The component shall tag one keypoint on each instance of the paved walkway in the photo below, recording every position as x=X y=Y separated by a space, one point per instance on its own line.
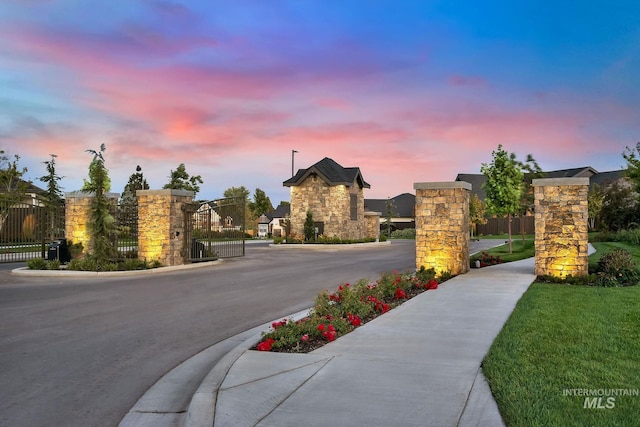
x=418 y=365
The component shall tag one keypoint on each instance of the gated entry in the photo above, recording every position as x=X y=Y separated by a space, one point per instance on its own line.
x=214 y=229
x=27 y=226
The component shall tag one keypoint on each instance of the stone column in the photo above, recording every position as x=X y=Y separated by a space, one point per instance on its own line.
x=561 y=216
x=161 y=225
x=78 y=217
x=442 y=226
x=372 y=220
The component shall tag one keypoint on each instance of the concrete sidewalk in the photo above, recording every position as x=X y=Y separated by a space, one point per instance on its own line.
x=417 y=365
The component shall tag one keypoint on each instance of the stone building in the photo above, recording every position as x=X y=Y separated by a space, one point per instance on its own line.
x=334 y=195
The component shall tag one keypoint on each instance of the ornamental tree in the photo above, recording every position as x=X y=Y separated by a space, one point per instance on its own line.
x=503 y=185
x=309 y=227
x=102 y=224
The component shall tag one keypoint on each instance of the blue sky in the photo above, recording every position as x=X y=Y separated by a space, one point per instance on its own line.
x=409 y=91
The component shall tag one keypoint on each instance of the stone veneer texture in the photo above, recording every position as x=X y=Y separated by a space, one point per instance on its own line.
x=442 y=226
x=561 y=217
x=78 y=217
x=330 y=205
x=161 y=225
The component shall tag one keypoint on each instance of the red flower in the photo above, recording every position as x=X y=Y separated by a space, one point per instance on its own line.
x=276 y=325
x=305 y=337
x=266 y=344
x=321 y=327
x=433 y=284
x=354 y=320
x=400 y=294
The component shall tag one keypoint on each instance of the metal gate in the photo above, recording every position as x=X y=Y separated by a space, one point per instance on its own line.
x=27 y=226
x=214 y=229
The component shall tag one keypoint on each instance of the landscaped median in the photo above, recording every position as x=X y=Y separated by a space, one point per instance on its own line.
x=350 y=306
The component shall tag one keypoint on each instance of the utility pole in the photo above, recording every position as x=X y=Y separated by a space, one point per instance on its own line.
x=293 y=153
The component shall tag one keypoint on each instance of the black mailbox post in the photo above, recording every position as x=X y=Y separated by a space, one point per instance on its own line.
x=59 y=250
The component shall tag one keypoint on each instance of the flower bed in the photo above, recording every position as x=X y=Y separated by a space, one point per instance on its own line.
x=350 y=306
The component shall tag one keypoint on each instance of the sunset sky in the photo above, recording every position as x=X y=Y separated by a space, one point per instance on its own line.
x=409 y=91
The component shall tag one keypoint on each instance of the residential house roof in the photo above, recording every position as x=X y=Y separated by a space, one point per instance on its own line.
x=282 y=211
x=331 y=172
x=595 y=177
x=403 y=205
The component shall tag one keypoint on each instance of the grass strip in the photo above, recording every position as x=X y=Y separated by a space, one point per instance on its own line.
x=562 y=337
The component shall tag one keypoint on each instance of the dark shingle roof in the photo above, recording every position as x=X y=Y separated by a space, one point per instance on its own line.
x=595 y=177
x=331 y=172
x=403 y=205
x=281 y=211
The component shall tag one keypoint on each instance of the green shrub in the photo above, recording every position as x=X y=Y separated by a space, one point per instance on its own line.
x=134 y=264
x=53 y=265
x=617 y=268
x=37 y=264
x=277 y=240
x=91 y=263
x=407 y=233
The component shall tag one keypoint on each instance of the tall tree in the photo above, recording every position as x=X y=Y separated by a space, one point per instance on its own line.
x=309 y=227
x=54 y=195
x=54 y=191
x=390 y=213
x=261 y=203
x=136 y=182
x=240 y=192
x=102 y=223
x=632 y=156
x=477 y=212
x=595 y=200
x=503 y=185
x=12 y=187
x=531 y=171
x=180 y=179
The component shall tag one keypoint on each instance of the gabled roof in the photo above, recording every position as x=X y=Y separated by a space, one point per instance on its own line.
x=282 y=211
x=583 y=172
x=595 y=177
x=403 y=205
x=331 y=172
x=28 y=187
x=605 y=178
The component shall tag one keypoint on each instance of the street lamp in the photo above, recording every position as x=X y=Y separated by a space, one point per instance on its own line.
x=293 y=152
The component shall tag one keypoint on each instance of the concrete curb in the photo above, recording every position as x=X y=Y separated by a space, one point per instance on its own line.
x=202 y=409
x=25 y=271
x=332 y=247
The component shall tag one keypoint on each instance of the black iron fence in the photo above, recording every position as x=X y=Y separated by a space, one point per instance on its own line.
x=28 y=227
x=125 y=239
x=214 y=229
x=501 y=226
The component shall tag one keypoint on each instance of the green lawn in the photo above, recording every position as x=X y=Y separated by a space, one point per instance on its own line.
x=520 y=250
x=563 y=337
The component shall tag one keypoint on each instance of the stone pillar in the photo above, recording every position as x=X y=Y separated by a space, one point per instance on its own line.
x=561 y=216
x=78 y=217
x=372 y=220
x=161 y=225
x=442 y=226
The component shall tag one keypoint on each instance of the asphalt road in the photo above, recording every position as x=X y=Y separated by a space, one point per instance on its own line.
x=80 y=352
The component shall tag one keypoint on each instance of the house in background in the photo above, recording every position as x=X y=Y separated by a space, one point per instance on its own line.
x=526 y=224
x=601 y=178
x=334 y=195
x=403 y=207
x=277 y=220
